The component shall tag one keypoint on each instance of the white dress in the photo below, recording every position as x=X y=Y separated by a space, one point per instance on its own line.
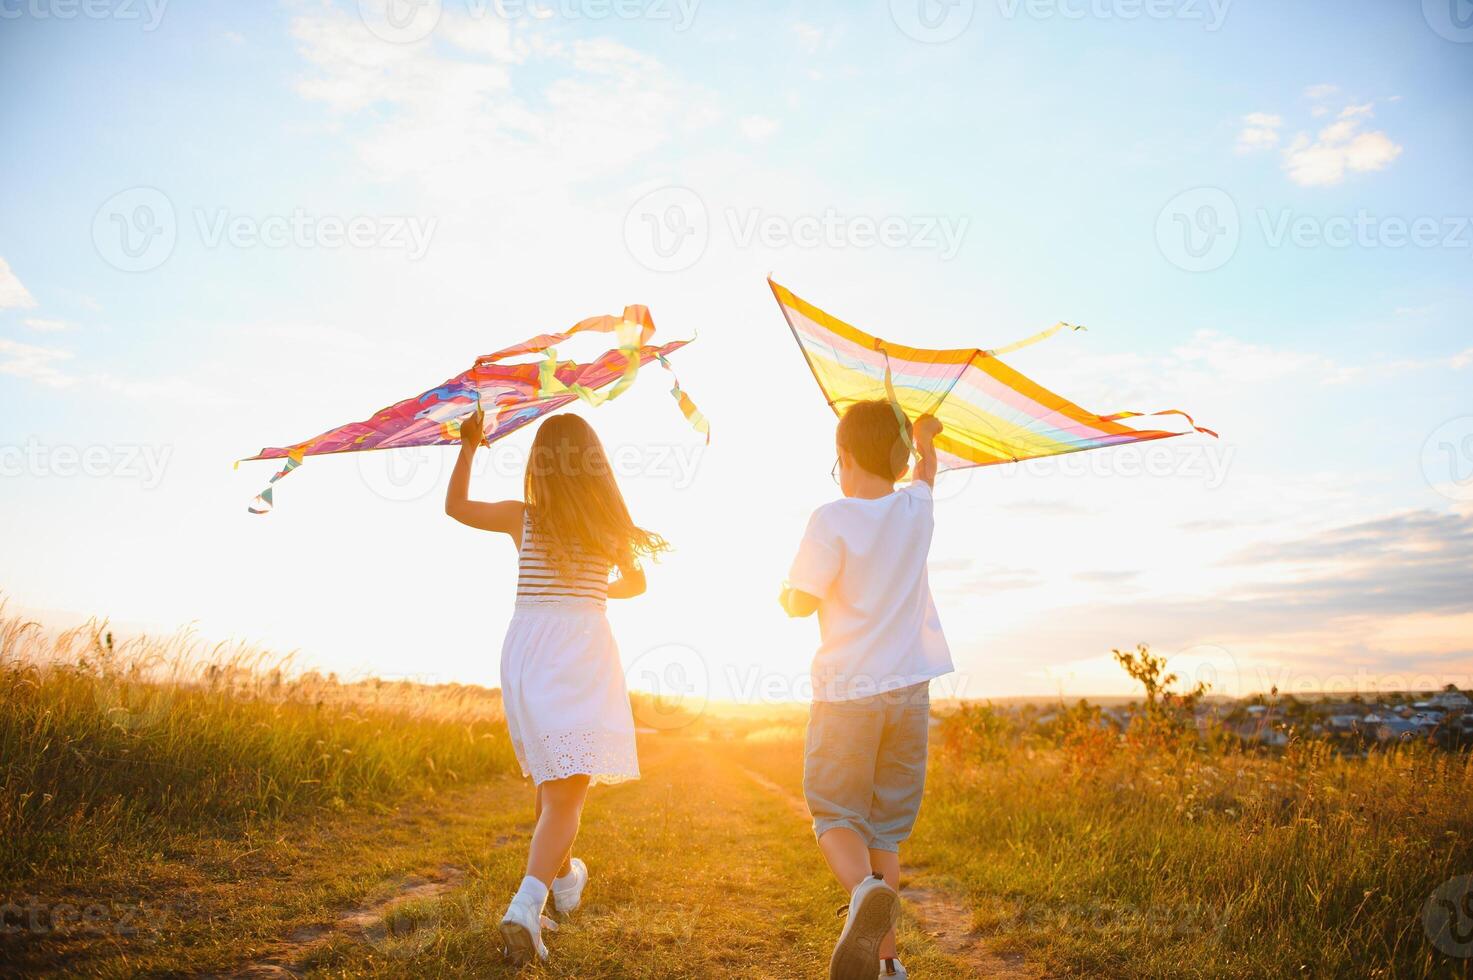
x=561 y=680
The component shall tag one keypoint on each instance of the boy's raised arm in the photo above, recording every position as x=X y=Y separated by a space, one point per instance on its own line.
x=923 y=435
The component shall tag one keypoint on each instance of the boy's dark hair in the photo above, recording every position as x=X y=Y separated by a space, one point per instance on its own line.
x=870 y=431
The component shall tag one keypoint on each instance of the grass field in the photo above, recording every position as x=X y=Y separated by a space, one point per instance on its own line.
x=225 y=819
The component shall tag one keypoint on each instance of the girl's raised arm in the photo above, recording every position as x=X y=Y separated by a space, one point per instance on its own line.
x=505 y=515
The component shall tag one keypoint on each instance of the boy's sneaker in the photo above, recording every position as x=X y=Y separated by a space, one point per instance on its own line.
x=873 y=908
x=567 y=891
x=892 y=968
x=521 y=931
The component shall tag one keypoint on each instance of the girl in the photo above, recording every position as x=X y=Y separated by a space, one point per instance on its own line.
x=561 y=681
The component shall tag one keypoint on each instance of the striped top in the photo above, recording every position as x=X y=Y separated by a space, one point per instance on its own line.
x=539 y=583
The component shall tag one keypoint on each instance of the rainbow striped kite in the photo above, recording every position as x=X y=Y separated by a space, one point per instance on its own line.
x=510 y=395
x=991 y=413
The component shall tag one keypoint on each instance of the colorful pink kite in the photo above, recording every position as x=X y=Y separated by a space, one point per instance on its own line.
x=511 y=395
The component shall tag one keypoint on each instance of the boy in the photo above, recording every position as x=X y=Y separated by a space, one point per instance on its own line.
x=862 y=568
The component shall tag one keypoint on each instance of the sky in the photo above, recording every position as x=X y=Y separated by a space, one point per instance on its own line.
x=225 y=226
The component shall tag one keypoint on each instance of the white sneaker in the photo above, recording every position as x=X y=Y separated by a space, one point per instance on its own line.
x=521 y=931
x=892 y=968
x=873 y=909
x=567 y=895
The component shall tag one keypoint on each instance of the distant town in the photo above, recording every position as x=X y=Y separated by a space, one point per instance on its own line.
x=1354 y=722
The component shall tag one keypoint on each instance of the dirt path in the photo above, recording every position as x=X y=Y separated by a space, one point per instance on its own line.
x=374 y=923
x=939 y=911
x=697 y=872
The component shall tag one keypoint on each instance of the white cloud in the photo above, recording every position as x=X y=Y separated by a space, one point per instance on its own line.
x=456 y=115
x=809 y=36
x=38 y=364
x=759 y=129
x=13 y=294
x=1260 y=132
x=1323 y=158
x=1462 y=360
x=47 y=326
x=1342 y=146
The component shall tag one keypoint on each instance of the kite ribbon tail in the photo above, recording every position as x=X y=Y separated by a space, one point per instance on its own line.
x=900 y=415
x=688 y=408
x=264 y=502
x=1029 y=341
x=1170 y=411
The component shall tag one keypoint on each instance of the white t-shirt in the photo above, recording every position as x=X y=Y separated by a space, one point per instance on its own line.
x=865 y=561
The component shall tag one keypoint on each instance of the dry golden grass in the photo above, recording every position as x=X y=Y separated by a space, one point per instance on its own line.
x=232 y=813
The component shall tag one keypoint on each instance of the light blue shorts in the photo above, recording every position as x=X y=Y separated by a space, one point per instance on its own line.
x=864 y=764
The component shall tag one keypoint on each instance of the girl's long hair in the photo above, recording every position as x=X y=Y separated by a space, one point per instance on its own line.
x=574 y=503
